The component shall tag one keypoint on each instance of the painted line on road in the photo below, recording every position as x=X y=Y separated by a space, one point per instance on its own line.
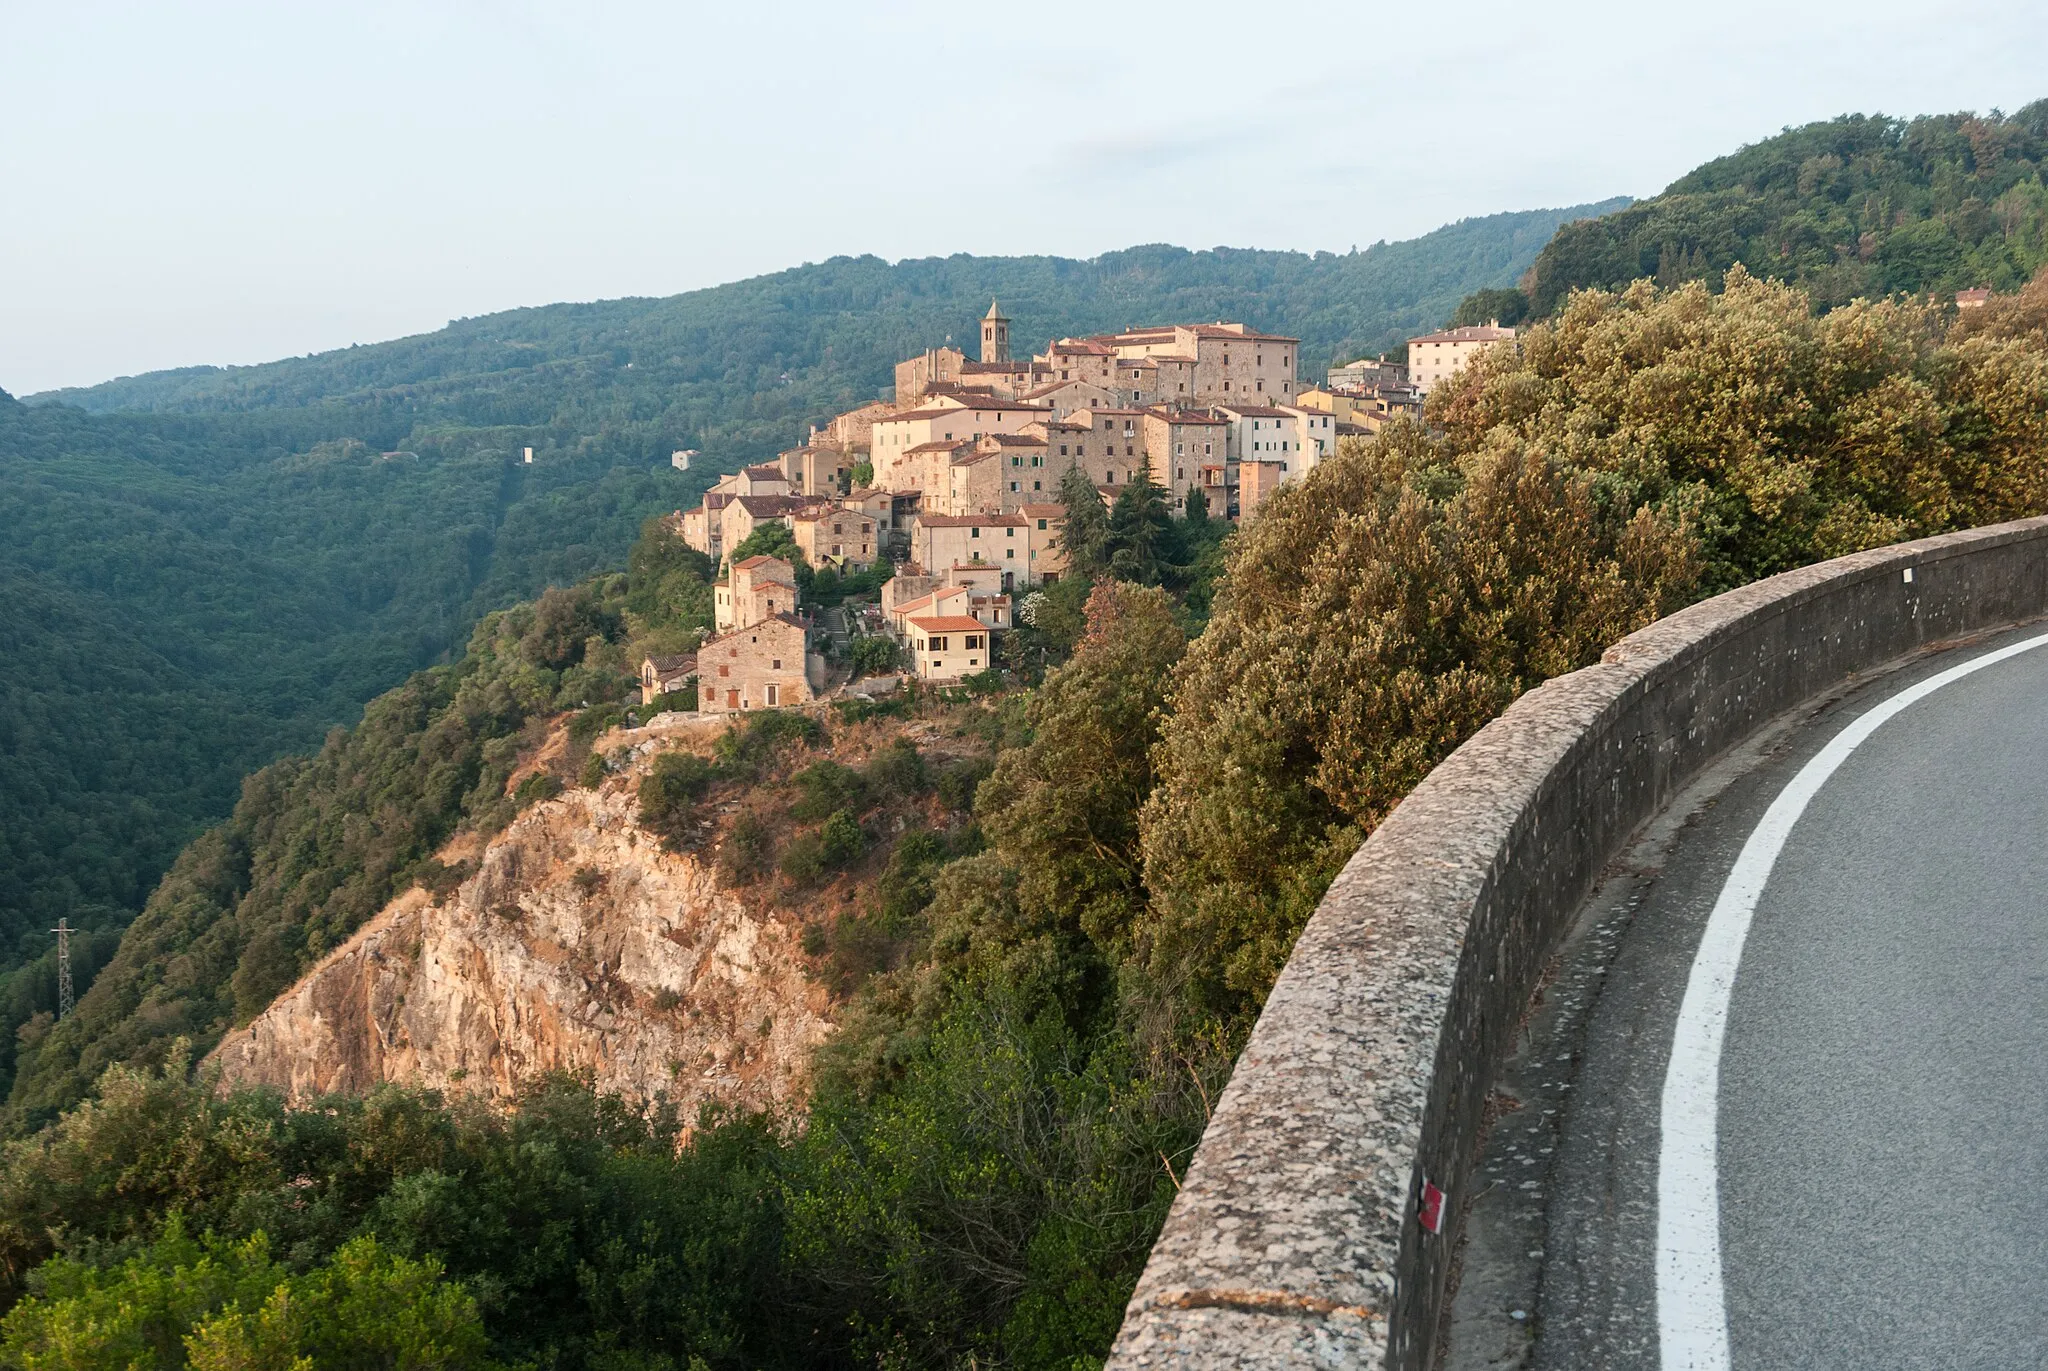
x=1692 y=1306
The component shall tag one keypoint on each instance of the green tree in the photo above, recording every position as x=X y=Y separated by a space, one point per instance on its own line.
x=1506 y=307
x=1084 y=534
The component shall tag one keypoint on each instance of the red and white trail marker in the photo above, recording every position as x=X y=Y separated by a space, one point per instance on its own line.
x=1430 y=1213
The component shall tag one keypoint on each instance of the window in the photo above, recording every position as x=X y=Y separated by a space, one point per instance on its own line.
x=1041 y=523
x=1063 y=449
x=837 y=529
x=973 y=644
x=937 y=644
x=975 y=532
x=774 y=695
x=1038 y=485
x=724 y=670
x=1016 y=461
x=1013 y=487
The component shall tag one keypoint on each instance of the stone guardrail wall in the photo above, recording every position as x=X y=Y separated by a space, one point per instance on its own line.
x=1295 y=1240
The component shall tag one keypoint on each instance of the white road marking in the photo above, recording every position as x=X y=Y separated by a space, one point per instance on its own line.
x=1692 y=1307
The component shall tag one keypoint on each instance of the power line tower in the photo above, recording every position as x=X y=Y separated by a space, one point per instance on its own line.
x=63 y=932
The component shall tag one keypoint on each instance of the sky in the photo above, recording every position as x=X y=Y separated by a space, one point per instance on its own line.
x=190 y=182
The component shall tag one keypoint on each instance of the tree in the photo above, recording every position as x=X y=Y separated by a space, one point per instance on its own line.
x=1140 y=533
x=1084 y=533
x=773 y=539
x=1506 y=307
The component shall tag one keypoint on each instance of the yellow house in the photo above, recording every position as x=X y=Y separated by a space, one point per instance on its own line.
x=946 y=647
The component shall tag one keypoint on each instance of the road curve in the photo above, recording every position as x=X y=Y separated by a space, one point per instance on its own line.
x=1878 y=1137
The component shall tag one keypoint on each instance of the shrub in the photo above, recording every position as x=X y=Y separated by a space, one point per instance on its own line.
x=896 y=770
x=749 y=850
x=541 y=785
x=875 y=656
x=959 y=781
x=825 y=786
x=669 y=792
x=747 y=747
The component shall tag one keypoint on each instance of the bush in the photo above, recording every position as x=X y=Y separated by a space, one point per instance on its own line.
x=959 y=781
x=749 y=850
x=746 y=748
x=594 y=771
x=541 y=785
x=813 y=856
x=669 y=793
x=823 y=787
x=896 y=770
x=875 y=656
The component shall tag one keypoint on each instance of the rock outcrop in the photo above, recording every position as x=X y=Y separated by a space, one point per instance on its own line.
x=579 y=945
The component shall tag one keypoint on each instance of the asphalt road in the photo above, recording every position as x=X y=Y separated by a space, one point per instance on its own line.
x=1881 y=1124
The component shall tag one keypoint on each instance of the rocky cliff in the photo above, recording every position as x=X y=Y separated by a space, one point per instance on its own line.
x=579 y=944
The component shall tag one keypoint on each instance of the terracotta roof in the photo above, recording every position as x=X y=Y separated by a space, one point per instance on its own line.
x=1256 y=411
x=765 y=471
x=1046 y=511
x=974 y=458
x=940 y=445
x=949 y=623
x=1082 y=347
x=1473 y=333
x=669 y=663
x=761 y=559
x=1012 y=440
x=971 y=520
x=1184 y=416
x=769 y=506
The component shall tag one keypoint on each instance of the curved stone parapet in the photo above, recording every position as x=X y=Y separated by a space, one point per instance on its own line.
x=1295 y=1239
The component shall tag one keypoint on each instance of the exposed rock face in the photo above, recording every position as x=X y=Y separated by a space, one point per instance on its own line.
x=579 y=945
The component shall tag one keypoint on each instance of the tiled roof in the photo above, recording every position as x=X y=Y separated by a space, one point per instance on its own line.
x=971 y=520
x=949 y=623
x=1474 y=333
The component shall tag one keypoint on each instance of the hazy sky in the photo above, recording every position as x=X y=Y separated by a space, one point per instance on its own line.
x=188 y=182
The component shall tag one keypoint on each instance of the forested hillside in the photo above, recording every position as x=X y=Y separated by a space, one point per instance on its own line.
x=736 y=370
x=1009 y=1105
x=183 y=598
x=1860 y=206
x=239 y=558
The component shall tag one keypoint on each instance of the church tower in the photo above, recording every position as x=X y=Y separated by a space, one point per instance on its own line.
x=995 y=335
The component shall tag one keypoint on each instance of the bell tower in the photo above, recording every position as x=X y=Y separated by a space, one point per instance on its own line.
x=995 y=335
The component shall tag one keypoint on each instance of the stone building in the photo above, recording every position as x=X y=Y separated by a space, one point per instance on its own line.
x=763 y=665
x=754 y=590
x=831 y=535
x=662 y=675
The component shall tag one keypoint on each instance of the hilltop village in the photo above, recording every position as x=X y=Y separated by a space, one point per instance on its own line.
x=955 y=482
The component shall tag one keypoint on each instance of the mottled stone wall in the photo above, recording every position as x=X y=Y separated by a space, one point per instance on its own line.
x=1294 y=1241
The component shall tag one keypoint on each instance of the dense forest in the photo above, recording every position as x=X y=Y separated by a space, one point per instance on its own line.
x=184 y=598
x=1855 y=207
x=238 y=559
x=998 y=1127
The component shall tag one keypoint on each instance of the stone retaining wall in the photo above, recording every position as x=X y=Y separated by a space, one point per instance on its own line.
x=1294 y=1241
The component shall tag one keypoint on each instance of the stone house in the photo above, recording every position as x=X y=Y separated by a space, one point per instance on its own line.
x=763 y=665
x=946 y=647
x=1176 y=442
x=833 y=535
x=661 y=675
x=745 y=513
x=990 y=538
x=945 y=419
x=817 y=468
x=756 y=589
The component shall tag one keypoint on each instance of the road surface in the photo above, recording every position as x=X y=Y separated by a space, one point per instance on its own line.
x=1797 y=1065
